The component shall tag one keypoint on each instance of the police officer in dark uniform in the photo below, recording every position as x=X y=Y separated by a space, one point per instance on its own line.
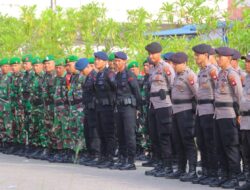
x=90 y=127
x=105 y=86
x=127 y=98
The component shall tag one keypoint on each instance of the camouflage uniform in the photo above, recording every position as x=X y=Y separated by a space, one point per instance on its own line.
x=60 y=112
x=74 y=137
x=6 y=133
x=28 y=77
x=37 y=129
x=48 y=91
x=17 y=109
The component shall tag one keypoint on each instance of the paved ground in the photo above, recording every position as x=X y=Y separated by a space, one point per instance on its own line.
x=18 y=173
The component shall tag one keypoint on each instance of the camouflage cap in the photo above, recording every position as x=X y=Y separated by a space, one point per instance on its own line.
x=60 y=62
x=15 y=60
x=27 y=58
x=71 y=58
x=4 y=61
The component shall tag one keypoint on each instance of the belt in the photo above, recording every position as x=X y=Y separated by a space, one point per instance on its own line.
x=185 y=101
x=223 y=104
x=156 y=94
x=245 y=113
x=205 y=101
x=103 y=102
x=74 y=102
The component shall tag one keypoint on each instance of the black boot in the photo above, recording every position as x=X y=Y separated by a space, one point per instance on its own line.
x=232 y=183
x=130 y=165
x=151 y=163
x=211 y=177
x=190 y=176
x=176 y=175
x=44 y=154
x=109 y=162
x=219 y=180
x=245 y=186
x=203 y=176
x=121 y=162
x=158 y=167
x=20 y=150
x=36 y=153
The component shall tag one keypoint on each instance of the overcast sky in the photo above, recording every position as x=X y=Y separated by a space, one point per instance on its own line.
x=116 y=8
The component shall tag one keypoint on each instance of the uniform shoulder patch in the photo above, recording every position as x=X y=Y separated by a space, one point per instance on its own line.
x=167 y=70
x=232 y=80
x=191 y=79
x=213 y=74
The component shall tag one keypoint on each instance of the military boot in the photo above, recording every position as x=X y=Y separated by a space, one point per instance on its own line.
x=203 y=176
x=158 y=167
x=109 y=162
x=119 y=163
x=44 y=154
x=165 y=170
x=231 y=183
x=219 y=180
x=130 y=165
x=190 y=176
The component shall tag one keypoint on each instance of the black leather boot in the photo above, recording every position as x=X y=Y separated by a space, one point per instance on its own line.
x=231 y=183
x=158 y=167
x=130 y=165
x=203 y=176
x=190 y=176
x=121 y=162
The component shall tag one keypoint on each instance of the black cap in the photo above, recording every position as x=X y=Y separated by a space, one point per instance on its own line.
x=121 y=55
x=212 y=51
x=247 y=57
x=179 y=57
x=154 y=47
x=224 y=51
x=236 y=55
x=202 y=49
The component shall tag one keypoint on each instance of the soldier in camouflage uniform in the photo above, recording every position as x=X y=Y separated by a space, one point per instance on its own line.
x=28 y=77
x=48 y=90
x=5 y=109
x=37 y=136
x=74 y=137
x=19 y=134
x=60 y=111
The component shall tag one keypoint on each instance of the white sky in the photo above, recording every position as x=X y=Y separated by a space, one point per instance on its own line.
x=116 y=8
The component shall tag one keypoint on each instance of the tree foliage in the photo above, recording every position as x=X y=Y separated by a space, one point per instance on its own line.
x=87 y=29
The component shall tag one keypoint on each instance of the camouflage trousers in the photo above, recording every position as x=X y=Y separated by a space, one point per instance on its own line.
x=27 y=117
x=59 y=127
x=6 y=132
x=36 y=130
x=20 y=133
x=74 y=136
x=48 y=125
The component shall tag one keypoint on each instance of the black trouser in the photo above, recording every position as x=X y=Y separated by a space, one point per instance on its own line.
x=106 y=131
x=92 y=138
x=183 y=133
x=205 y=125
x=160 y=124
x=245 y=139
x=126 y=125
x=227 y=145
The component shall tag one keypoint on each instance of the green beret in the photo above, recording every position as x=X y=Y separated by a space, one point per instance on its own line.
x=60 y=62
x=111 y=57
x=91 y=60
x=49 y=58
x=36 y=60
x=27 y=58
x=71 y=58
x=4 y=61
x=15 y=60
x=133 y=64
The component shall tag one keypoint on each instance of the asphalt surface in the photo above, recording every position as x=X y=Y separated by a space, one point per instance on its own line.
x=17 y=173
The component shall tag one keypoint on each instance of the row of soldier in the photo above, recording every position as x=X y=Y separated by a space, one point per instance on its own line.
x=58 y=113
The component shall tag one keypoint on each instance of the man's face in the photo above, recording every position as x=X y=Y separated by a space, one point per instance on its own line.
x=60 y=70
x=212 y=59
x=179 y=68
x=223 y=61
x=120 y=64
x=16 y=68
x=111 y=65
x=248 y=66
x=71 y=66
x=100 y=64
x=135 y=70
x=234 y=64
x=49 y=66
x=87 y=70
x=200 y=58
x=5 y=69
x=155 y=57
x=38 y=68
x=27 y=66
x=146 y=68
x=67 y=68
